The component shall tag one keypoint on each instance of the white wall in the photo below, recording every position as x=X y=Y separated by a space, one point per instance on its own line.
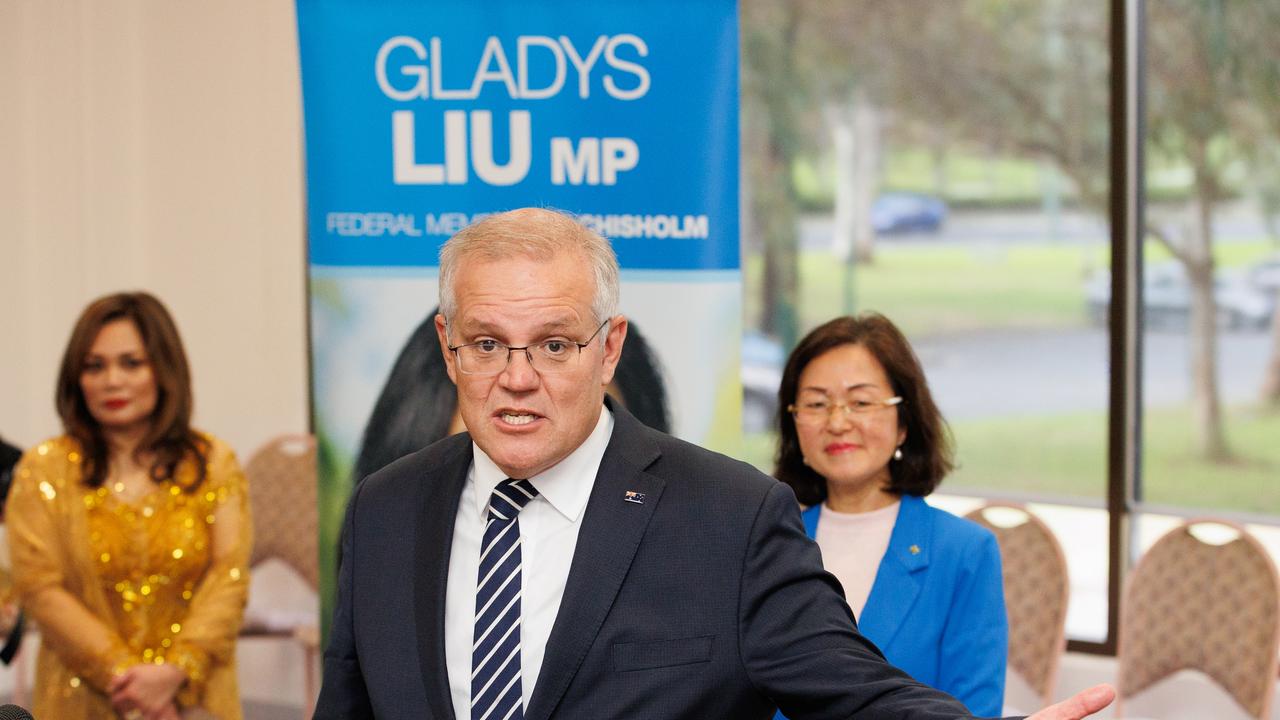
x=155 y=145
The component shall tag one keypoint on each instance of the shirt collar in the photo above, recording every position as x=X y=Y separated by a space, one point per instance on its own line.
x=566 y=485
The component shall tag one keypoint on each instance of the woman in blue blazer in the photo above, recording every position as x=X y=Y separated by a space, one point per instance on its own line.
x=861 y=443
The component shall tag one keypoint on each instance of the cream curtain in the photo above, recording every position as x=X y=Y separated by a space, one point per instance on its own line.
x=155 y=145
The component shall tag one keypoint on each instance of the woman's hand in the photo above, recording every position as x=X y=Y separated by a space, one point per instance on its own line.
x=146 y=692
x=170 y=712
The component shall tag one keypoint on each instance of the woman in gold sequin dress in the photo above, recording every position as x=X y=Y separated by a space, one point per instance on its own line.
x=130 y=534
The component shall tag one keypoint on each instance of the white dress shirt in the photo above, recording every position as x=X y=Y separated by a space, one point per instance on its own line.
x=549 y=527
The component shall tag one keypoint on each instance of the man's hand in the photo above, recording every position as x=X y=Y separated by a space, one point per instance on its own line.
x=1082 y=704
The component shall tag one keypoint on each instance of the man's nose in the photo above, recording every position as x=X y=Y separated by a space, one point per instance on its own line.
x=520 y=375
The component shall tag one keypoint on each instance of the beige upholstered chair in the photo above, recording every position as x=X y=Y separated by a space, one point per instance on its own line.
x=282 y=495
x=1035 y=593
x=1192 y=605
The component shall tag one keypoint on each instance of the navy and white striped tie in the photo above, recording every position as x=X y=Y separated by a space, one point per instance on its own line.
x=496 y=692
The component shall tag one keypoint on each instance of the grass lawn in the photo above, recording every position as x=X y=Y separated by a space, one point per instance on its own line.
x=1172 y=475
x=976 y=178
x=948 y=288
x=1065 y=455
x=971 y=178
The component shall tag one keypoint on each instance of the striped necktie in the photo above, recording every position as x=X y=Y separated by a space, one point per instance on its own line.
x=496 y=692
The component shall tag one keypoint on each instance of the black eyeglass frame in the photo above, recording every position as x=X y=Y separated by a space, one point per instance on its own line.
x=527 y=351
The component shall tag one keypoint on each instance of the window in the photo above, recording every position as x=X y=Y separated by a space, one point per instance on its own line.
x=977 y=171
x=1210 y=279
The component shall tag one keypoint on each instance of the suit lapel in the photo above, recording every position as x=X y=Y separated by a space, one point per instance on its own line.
x=611 y=532
x=440 y=493
x=901 y=573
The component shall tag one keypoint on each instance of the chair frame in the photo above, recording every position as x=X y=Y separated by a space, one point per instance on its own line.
x=1060 y=639
x=307 y=637
x=1273 y=665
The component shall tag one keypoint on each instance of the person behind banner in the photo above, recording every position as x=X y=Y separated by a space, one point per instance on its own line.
x=861 y=443
x=561 y=559
x=418 y=404
x=130 y=533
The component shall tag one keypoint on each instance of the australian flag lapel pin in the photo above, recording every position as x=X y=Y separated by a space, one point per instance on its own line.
x=634 y=497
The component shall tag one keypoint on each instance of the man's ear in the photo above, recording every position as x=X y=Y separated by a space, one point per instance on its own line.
x=613 y=347
x=442 y=333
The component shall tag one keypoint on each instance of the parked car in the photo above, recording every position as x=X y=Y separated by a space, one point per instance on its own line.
x=762 y=360
x=905 y=212
x=1265 y=275
x=1166 y=299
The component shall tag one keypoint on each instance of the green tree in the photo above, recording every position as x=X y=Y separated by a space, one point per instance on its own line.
x=772 y=95
x=799 y=57
x=1253 y=31
x=1031 y=79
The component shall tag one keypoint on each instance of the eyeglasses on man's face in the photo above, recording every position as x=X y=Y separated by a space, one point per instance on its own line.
x=490 y=357
x=817 y=409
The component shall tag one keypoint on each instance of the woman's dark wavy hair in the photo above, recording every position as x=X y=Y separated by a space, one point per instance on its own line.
x=418 y=399
x=927 y=454
x=169 y=439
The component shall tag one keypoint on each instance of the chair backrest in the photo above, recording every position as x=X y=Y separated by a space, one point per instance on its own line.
x=1036 y=591
x=282 y=494
x=1192 y=605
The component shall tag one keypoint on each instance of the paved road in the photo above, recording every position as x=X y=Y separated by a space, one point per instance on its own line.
x=1003 y=373
x=1000 y=373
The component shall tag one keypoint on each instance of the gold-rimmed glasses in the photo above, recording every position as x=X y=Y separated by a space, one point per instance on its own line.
x=816 y=410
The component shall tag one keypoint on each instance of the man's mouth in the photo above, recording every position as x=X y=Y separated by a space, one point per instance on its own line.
x=518 y=418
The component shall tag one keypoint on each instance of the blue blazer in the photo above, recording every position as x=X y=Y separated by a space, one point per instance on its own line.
x=936 y=608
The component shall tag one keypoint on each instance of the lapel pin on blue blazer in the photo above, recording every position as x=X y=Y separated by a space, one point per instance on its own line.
x=634 y=497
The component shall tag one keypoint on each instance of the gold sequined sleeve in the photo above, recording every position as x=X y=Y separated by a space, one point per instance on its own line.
x=40 y=540
x=208 y=633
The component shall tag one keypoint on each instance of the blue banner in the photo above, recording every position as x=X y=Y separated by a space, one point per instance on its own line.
x=423 y=116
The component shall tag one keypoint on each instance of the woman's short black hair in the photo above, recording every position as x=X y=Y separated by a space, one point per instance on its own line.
x=927 y=451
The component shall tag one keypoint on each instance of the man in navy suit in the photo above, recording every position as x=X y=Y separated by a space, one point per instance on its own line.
x=561 y=560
